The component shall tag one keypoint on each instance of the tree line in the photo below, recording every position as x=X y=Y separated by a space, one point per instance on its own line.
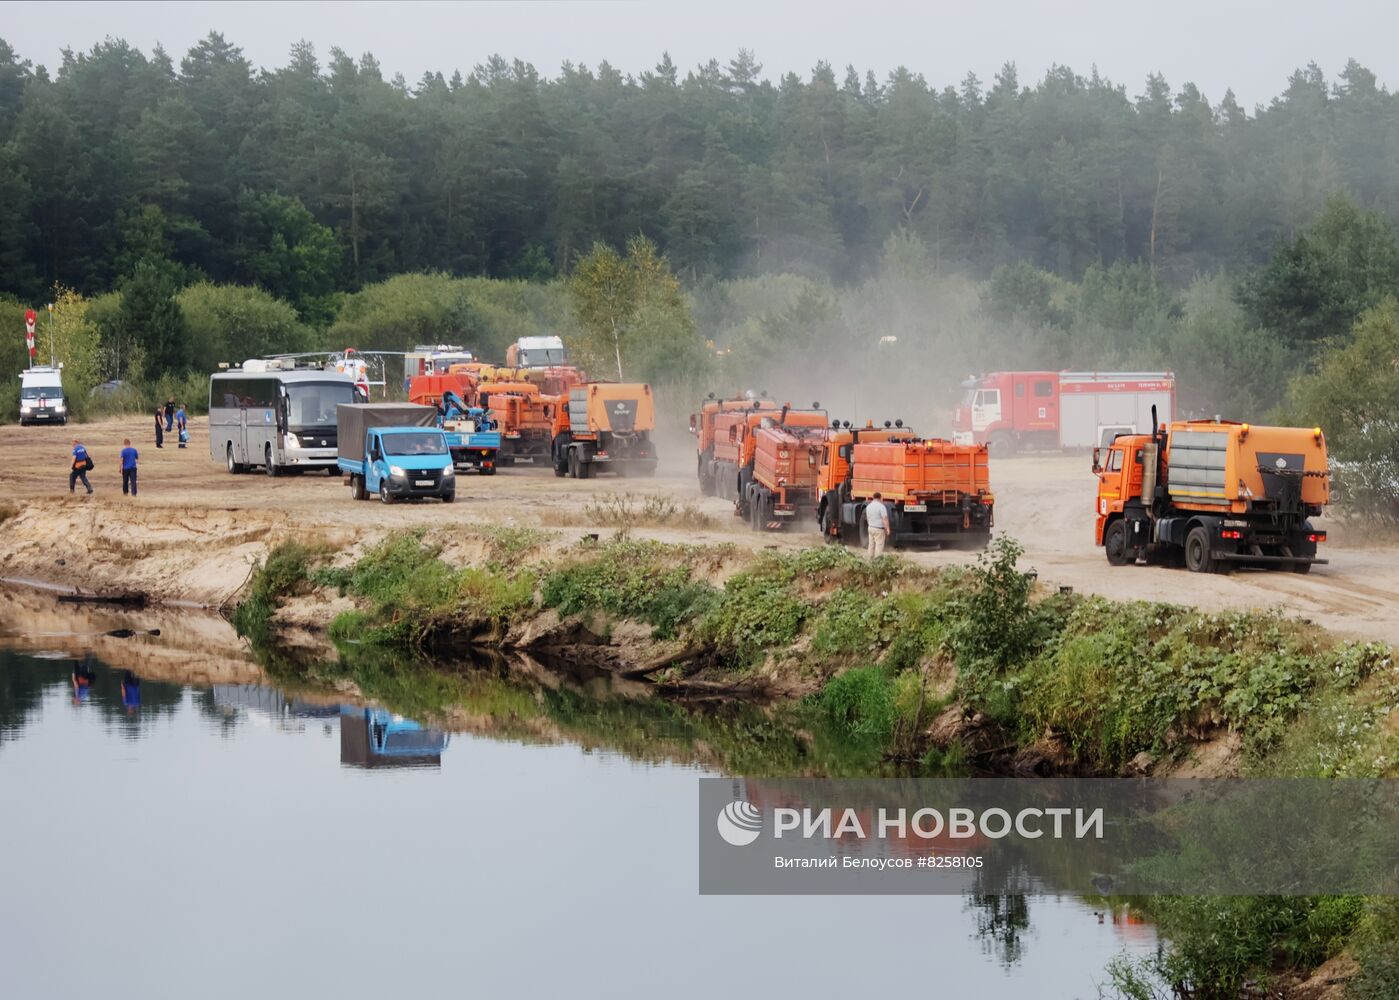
x=315 y=178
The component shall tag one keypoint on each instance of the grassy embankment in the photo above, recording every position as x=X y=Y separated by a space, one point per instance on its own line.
x=898 y=667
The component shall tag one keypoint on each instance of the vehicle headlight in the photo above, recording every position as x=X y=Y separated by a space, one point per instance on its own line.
x=397 y=472
x=58 y=406
x=25 y=407
x=448 y=472
x=292 y=441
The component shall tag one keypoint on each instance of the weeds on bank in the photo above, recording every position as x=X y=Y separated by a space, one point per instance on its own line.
x=649 y=510
x=412 y=593
x=644 y=580
x=286 y=572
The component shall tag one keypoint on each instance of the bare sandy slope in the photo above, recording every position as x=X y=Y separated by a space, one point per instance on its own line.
x=195 y=530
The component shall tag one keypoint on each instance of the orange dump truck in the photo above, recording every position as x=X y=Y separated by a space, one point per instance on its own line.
x=524 y=415
x=1216 y=494
x=936 y=491
x=784 y=486
x=702 y=426
x=605 y=427
x=735 y=444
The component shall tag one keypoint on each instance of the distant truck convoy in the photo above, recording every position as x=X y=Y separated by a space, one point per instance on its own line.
x=1012 y=411
x=605 y=427
x=41 y=396
x=277 y=415
x=395 y=450
x=1217 y=494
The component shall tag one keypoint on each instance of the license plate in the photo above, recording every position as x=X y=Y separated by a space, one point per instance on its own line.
x=785 y=513
x=916 y=508
x=423 y=482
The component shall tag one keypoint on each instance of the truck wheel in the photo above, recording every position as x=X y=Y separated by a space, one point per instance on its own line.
x=1197 y=551
x=234 y=468
x=1115 y=543
x=449 y=497
x=585 y=468
x=357 y=490
x=560 y=467
x=1000 y=445
x=269 y=466
x=384 y=497
x=491 y=471
x=864 y=532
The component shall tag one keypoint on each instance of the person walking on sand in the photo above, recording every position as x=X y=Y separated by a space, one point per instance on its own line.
x=128 y=467
x=169 y=414
x=181 y=425
x=877 y=520
x=159 y=429
x=82 y=462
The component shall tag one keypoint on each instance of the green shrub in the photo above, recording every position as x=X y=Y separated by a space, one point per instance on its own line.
x=753 y=613
x=285 y=572
x=629 y=579
x=860 y=703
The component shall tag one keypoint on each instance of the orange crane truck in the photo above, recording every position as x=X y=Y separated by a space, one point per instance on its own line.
x=1214 y=493
x=702 y=426
x=605 y=427
x=937 y=492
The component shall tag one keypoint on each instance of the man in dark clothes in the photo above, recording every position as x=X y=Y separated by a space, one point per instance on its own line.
x=128 y=467
x=170 y=414
x=159 y=429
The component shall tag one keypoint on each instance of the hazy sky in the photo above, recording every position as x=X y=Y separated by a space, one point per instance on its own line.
x=1251 y=45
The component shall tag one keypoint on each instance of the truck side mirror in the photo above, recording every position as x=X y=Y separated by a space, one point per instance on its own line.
x=1097 y=460
x=693 y=429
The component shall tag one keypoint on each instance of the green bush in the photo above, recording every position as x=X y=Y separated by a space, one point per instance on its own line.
x=860 y=703
x=630 y=579
x=285 y=572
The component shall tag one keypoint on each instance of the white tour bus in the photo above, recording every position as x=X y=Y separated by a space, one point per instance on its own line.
x=282 y=418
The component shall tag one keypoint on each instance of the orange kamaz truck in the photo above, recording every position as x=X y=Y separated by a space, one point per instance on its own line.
x=605 y=427
x=735 y=445
x=1215 y=494
x=937 y=492
x=702 y=426
x=524 y=415
x=783 y=488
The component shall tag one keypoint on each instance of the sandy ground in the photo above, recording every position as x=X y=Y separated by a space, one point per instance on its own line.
x=196 y=530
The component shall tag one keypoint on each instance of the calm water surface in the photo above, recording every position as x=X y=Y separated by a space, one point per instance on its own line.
x=231 y=842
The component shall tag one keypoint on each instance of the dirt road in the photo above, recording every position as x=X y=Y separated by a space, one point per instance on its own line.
x=198 y=529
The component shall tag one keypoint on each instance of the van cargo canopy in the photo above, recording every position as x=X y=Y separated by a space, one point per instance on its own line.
x=354 y=419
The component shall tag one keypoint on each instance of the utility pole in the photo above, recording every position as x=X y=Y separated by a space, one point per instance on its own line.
x=53 y=355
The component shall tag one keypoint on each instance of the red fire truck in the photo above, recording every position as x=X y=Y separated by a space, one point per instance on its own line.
x=1008 y=411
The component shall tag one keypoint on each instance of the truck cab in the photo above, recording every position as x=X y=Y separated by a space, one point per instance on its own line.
x=1120 y=471
x=406 y=462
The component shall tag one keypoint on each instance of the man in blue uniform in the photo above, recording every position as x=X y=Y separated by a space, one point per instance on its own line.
x=128 y=467
x=78 y=470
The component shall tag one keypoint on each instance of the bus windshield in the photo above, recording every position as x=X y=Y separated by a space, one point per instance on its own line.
x=415 y=443
x=313 y=405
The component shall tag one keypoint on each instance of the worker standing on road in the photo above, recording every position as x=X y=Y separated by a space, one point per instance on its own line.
x=877 y=521
x=128 y=467
x=78 y=470
x=181 y=425
x=169 y=414
x=159 y=429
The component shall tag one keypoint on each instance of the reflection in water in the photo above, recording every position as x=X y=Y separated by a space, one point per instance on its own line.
x=121 y=699
x=547 y=869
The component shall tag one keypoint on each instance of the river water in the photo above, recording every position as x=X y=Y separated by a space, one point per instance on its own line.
x=234 y=841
